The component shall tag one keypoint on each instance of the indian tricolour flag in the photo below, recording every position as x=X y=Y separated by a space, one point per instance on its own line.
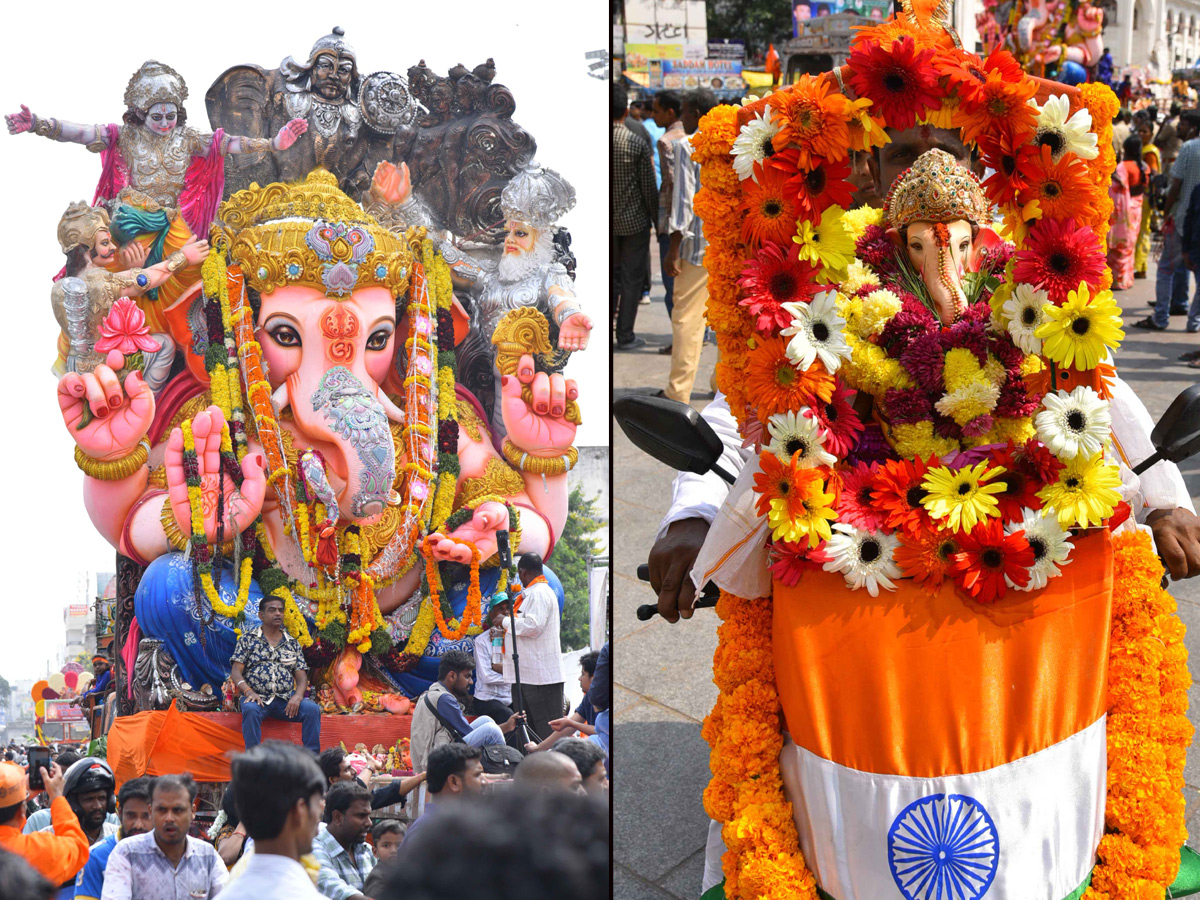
x=942 y=748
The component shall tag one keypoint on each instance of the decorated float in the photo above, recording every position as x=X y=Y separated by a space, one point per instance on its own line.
x=316 y=353
x=961 y=676
x=1060 y=38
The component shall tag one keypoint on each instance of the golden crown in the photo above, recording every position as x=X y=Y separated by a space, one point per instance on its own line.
x=936 y=189
x=79 y=224
x=310 y=233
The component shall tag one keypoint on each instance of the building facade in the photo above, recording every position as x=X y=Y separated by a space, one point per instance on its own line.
x=1159 y=35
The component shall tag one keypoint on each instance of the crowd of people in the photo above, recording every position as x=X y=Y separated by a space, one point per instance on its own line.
x=297 y=822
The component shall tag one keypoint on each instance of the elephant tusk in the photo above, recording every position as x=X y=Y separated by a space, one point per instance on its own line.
x=393 y=412
x=280 y=398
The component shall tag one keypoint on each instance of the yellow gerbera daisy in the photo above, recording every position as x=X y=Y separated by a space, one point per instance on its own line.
x=866 y=131
x=827 y=244
x=958 y=498
x=1079 y=330
x=1085 y=493
x=812 y=523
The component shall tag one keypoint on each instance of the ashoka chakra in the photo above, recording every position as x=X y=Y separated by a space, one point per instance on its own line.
x=943 y=847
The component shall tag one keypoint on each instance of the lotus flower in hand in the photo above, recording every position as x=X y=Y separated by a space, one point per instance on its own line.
x=124 y=329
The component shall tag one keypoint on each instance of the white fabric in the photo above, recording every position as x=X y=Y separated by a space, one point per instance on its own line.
x=597 y=607
x=714 y=849
x=268 y=875
x=1046 y=814
x=739 y=565
x=1162 y=484
x=489 y=684
x=537 y=630
x=700 y=496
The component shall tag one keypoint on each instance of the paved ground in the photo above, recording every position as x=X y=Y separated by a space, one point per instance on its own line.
x=664 y=686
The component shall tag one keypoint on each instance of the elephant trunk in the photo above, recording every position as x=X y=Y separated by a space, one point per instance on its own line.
x=946 y=289
x=343 y=414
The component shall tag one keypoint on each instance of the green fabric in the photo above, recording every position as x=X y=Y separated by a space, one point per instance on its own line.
x=1187 y=882
x=131 y=222
x=1074 y=895
x=716 y=892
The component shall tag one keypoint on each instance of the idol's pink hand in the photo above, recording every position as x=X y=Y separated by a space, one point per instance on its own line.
x=242 y=505
x=489 y=518
x=446 y=550
x=121 y=416
x=392 y=183
x=19 y=122
x=574 y=333
x=541 y=430
x=133 y=255
x=289 y=134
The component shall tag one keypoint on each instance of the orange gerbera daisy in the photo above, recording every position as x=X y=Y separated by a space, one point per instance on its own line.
x=899 y=493
x=770 y=209
x=816 y=186
x=783 y=481
x=1063 y=189
x=925 y=556
x=814 y=120
x=778 y=385
x=999 y=105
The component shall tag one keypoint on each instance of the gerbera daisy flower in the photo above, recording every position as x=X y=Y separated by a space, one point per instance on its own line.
x=898 y=80
x=1079 y=330
x=753 y=145
x=1062 y=189
x=1057 y=256
x=770 y=210
x=1075 y=423
x=1023 y=311
x=1005 y=65
x=839 y=422
x=863 y=558
x=779 y=480
x=999 y=105
x=797 y=439
x=924 y=556
x=789 y=560
x=772 y=277
x=818 y=187
x=815 y=329
x=866 y=131
x=959 y=499
x=855 y=505
x=1037 y=459
x=810 y=522
x=1021 y=482
x=1008 y=159
x=1085 y=492
x=1062 y=132
x=828 y=243
x=899 y=493
x=989 y=561
x=778 y=385
x=1051 y=546
x=813 y=117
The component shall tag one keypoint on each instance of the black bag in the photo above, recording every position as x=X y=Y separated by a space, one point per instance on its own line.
x=497 y=759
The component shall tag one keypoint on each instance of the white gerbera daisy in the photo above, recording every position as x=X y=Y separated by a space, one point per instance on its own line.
x=864 y=559
x=753 y=143
x=1075 y=423
x=794 y=432
x=1050 y=543
x=1023 y=310
x=816 y=333
x=1062 y=132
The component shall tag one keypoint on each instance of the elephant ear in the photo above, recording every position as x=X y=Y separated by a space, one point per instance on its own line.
x=894 y=235
x=985 y=240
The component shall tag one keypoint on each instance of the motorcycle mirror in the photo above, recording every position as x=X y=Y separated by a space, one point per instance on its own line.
x=671 y=432
x=1177 y=434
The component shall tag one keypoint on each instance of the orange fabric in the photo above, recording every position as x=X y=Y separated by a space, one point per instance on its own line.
x=59 y=855
x=918 y=685
x=173 y=288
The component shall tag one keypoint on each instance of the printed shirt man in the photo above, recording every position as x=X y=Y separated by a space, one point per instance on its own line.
x=342 y=873
x=139 y=870
x=683 y=218
x=269 y=670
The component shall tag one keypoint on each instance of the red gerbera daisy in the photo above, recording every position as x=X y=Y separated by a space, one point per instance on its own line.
x=1057 y=256
x=839 y=421
x=989 y=560
x=925 y=556
x=788 y=560
x=899 y=493
x=898 y=80
x=1062 y=189
x=774 y=277
x=1008 y=160
x=816 y=188
x=770 y=209
x=1021 y=484
x=999 y=105
x=1005 y=65
x=854 y=505
x=1039 y=460
x=782 y=481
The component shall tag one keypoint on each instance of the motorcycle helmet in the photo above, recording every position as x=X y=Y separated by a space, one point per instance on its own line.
x=90 y=774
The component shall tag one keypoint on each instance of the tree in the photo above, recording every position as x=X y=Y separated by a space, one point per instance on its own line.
x=5 y=692
x=757 y=22
x=570 y=564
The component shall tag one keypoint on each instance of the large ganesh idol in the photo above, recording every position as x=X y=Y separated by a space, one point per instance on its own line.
x=325 y=454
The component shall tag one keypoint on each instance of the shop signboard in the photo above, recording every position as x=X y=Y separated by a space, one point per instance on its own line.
x=62 y=711
x=714 y=74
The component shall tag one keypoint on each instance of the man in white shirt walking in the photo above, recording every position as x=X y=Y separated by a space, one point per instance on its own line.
x=280 y=794
x=539 y=653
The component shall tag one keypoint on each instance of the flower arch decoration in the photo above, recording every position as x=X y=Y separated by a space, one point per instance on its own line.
x=809 y=306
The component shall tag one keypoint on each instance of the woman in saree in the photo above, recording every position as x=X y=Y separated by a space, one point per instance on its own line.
x=1127 y=190
x=1152 y=157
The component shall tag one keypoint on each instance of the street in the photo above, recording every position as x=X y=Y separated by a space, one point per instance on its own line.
x=664 y=687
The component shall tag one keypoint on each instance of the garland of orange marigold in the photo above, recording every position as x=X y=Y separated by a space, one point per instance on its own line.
x=763 y=857
x=1102 y=103
x=472 y=615
x=1148 y=731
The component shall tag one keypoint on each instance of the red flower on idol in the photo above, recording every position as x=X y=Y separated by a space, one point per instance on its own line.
x=124 y=329
x=898 y=80
x=1057 y=256
x=989 y=561
x=899 y=494
x=773 y=277
x=839 y=422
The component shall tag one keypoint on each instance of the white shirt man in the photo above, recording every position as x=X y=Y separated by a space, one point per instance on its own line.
x=539 y=653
